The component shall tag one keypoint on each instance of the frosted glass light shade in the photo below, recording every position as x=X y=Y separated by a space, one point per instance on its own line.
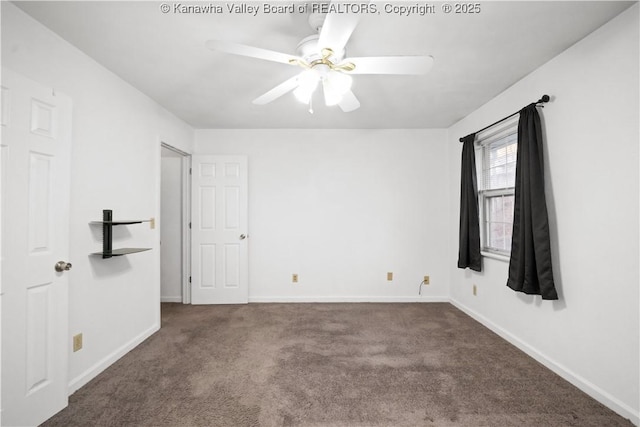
x=307 y=84
x=335 y=85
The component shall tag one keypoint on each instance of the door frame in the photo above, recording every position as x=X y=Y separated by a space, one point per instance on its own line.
x=185 y=229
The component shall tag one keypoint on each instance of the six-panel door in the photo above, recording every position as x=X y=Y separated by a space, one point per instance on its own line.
x=219 y=272
x=36 y=144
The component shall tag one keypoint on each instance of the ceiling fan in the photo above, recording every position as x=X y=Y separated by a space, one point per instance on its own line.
x=323 y=59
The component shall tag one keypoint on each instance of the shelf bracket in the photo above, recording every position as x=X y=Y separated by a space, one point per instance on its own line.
x=107 y=230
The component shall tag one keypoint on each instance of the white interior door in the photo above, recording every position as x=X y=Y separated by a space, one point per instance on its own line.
x=36 y=139
x=219 y=263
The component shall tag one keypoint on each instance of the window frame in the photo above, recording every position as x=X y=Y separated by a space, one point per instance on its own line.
x=484 y=139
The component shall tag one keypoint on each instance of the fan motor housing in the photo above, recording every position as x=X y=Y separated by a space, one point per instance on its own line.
x=309 y=50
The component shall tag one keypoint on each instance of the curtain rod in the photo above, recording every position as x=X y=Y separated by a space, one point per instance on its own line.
x=545 y=98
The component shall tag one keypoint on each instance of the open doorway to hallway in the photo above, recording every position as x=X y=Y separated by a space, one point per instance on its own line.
x=174 y=226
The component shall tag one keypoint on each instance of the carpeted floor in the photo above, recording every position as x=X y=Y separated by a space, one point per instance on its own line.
x=328 y=365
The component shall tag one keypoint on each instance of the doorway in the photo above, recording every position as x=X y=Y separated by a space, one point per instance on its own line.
x=174 y=225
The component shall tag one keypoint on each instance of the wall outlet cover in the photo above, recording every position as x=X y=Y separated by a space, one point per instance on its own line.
x=77 y=342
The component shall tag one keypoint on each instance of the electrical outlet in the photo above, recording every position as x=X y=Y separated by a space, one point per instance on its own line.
x=77 y=342
x=426 y=280
x=475 y=290
x=389 y=276
x=294 y=278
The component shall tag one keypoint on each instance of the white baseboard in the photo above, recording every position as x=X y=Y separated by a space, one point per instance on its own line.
x=171 y=299
x=95 y=370
x=586 y=386
x=310 y=299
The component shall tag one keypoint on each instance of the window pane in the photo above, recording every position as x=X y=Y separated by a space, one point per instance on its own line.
x=508 y=232
x=511 y=174
x=495 y=209
x=499 y=159
x=507 y=203
x=496 y=235
x=500 y=163
x=499 y=222
x=512 y=151
x=498 y=177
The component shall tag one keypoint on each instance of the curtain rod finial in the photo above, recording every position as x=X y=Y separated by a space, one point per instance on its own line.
x=545 y=98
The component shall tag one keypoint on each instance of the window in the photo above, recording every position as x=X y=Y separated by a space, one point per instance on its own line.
x=498 y=154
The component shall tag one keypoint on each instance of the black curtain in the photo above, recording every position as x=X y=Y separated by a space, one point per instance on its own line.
x=469 y=249
x=530 y=265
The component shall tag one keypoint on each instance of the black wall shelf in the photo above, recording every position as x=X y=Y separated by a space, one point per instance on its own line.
x=107 y=235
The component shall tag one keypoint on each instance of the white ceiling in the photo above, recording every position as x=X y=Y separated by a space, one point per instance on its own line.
x=476 y=57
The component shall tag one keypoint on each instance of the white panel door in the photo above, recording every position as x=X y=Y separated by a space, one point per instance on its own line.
x=36 y=140
x=219 y=262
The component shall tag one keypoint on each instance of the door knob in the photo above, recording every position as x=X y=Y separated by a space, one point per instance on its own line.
x=243 y=236
x=63 y=266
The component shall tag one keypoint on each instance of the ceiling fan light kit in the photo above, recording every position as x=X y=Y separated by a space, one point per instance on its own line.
x=335 y=85
x=307 y=84
x=324 y=60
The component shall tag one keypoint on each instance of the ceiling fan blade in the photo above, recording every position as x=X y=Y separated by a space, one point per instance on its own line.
x=278 y=91
x=338 y=26
x=392 y=65
x=250 y=51
x=349 y=102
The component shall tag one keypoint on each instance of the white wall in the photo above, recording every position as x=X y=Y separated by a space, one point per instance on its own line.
x=115 y=165
x=171 y=227
x=590 y=335
x=341 y=208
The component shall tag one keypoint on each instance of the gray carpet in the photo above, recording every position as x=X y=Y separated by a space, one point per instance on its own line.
x=328 y=365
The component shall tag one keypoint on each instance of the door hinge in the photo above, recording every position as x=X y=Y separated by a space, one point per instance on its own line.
x=190 y=171
x=189 y=279
x=189 y=226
